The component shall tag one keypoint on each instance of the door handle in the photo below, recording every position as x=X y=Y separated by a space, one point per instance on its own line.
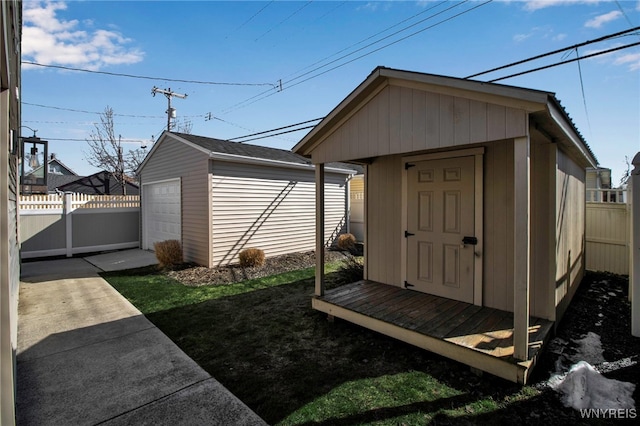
x=469 y=240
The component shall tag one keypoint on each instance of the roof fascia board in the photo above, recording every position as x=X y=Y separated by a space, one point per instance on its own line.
x=352 y=111
x=375 y=75
x=567 y=128
x=529 y=95
x=232 y=158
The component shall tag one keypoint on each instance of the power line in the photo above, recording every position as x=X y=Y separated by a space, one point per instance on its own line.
x=285 y=20
x=377 y=41
x=277 y=134
x=276 y=129
x=90 y=112
x=115 y=74
x=250 y=19
x=603 y=52
x=270 y=92
x=365 y=39
x=564 y=49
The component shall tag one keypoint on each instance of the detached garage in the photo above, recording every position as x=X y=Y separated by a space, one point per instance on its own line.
x=219 y=197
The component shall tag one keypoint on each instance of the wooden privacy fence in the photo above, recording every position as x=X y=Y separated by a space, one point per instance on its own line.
x=68 y=224
x=608 y=231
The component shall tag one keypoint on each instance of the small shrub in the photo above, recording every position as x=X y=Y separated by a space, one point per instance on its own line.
x=346 y=242
x=168 y=253
x=251 y=257
x=351 y=270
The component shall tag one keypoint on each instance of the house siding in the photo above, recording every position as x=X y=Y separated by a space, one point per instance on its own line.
x=404 y=119
x=10 y=34
x=270 y=208
x=570 y=230
x=174 y=159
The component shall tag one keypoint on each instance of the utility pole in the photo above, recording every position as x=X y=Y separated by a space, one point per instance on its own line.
x=121 y=166
x=171 y=112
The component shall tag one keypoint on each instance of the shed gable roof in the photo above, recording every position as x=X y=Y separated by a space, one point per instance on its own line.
x=541 y=106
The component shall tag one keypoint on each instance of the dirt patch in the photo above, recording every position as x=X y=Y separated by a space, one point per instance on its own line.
x=195 y=276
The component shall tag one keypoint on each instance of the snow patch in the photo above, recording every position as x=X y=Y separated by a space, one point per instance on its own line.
x=583 y=387
x=589 y=349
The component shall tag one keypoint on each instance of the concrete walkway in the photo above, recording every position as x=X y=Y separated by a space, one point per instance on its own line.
x=86 y=356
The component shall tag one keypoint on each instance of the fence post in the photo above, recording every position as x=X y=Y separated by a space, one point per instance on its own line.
x=634 y=276
x=67 y=209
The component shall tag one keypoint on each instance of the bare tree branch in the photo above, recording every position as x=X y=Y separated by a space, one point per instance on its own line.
x=105 y=150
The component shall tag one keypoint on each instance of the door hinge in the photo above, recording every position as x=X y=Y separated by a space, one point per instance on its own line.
x=408 y=234
x=407 y=285
x=407 y=166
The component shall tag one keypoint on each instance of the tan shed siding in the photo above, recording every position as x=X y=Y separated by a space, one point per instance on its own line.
x=570 y=230
x=174 y=159
x=409 y=119
x=383 y=211
x=270 y=208
x=541 y=223
x=498 y=226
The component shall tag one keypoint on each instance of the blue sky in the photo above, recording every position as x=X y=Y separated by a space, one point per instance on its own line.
x=254 y=45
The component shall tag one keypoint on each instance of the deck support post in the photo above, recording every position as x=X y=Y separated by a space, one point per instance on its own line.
x=521 y=246
x=319 y=291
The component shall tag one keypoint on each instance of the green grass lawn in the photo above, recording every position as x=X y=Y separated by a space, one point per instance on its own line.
x=261 y=339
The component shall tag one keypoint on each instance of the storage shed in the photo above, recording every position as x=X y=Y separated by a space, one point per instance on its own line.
x=219 y=197
x=474 y=214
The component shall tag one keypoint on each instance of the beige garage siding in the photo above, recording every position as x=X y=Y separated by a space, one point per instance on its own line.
x=173 y=159
x=271 y=208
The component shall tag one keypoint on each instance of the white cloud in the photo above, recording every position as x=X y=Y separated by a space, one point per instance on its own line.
x=521 y=37
x=600 y=20
x=559 y=37
x=631 y=59
x=51 y=40
x=533 y=5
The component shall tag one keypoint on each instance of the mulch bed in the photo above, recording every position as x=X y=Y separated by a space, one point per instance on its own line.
x=195 y=276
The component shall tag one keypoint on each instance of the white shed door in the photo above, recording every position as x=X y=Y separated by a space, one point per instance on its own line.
x=162 y=212
x=440 y=208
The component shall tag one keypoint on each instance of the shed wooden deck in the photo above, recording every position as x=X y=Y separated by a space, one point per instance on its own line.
x=477 y=336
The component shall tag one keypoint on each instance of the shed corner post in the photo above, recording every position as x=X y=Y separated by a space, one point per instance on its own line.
x=319 y=290
x=634 y=276
x=521 y=246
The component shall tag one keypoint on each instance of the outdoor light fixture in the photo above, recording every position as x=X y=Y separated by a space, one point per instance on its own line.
x=33 y=170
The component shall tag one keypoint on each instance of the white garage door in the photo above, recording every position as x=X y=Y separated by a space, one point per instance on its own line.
x=162 y=212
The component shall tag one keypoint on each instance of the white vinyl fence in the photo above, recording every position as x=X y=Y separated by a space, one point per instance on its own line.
x=68 y=224
x=608 y=231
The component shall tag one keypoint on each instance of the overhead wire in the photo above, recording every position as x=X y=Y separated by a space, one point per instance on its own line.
x=251 y=18
x=277 y=134
x=270 y=92
x=276 y=129
x=577 y=59
x=257 y=98
x=366 y=39
x=285 y=20
x=564 y=49
x=602 y=52
x=117 y=74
